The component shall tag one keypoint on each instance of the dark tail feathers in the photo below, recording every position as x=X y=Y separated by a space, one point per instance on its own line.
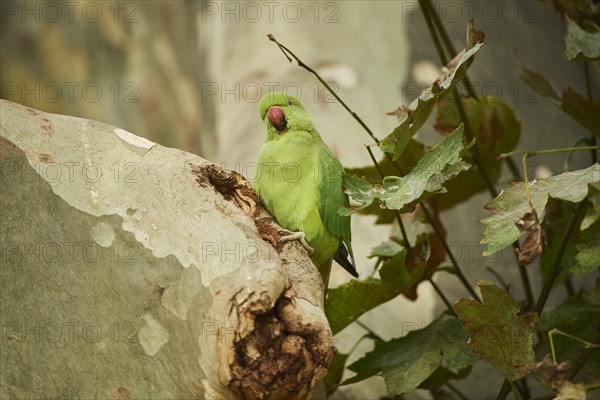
x=342 y=259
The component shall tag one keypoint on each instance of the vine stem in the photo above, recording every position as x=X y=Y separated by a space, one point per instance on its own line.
x=555 y=268
x=552 y=332
x=434 y=23
x=441 y=294
x=396 y=212
x=550 y=278
x=531 y=153
x=369 y=330
x=287 y=52
x=461 y=276
x=588 y=86
x=437 y=23
x=407 y=242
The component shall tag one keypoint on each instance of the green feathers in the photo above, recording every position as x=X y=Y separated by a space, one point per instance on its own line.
x=300 y=181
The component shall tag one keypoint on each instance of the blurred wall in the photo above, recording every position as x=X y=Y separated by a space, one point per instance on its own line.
x=136 y=65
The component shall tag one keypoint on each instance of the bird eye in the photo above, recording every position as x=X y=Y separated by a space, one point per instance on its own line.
x=289 y=103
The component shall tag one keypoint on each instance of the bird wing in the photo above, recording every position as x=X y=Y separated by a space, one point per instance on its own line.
x=332 y=196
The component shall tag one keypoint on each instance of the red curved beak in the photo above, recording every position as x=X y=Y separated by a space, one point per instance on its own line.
x=277 y=118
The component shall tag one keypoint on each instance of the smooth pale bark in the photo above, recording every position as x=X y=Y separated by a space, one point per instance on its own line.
x=132 y=270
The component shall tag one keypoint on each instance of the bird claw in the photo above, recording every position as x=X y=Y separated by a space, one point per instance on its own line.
x=299 y=236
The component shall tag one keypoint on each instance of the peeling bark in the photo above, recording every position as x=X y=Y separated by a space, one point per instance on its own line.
x=214 y=307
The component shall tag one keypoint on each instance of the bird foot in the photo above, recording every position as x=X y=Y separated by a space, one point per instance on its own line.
x=299 y=236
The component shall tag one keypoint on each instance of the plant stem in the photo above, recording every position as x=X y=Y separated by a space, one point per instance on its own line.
x=555 y=268
x=504 y=390
x=396 y=212
x=405 y=238
x=550 y=278
x=288 y=53
x=523 y=388
x=588 y=86
x=429 y=12
x=531 y=153
x=366 y=328
x=588 y=345
x=524 y=274
x=441 y=294
x=513 y=169
x=447 y=42
x=476 y=153
x=450 y=49
x=459 y=273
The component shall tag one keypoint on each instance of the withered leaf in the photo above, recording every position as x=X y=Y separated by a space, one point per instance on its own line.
x=533 y=245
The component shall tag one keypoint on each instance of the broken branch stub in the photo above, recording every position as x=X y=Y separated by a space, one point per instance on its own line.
x=282 y=346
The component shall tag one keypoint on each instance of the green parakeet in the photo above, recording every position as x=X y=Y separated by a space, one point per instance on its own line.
x=299 y=180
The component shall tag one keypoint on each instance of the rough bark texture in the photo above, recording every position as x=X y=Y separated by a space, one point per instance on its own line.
x=131 y=270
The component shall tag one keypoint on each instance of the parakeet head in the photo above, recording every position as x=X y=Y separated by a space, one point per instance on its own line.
x=282 y=112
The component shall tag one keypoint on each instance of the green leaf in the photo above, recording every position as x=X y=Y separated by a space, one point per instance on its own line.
x=345 y=303
x=512 y=204
x=406 y=362
x=439 y=164
x=502 y=337
x=582 y=110
x=588 y=256
x=537 y=82
x=410 y=157
x=582 y=45
x=335 y=372
x=413 y=116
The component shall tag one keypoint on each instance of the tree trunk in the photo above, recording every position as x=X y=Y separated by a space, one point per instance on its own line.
x=132 y=270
